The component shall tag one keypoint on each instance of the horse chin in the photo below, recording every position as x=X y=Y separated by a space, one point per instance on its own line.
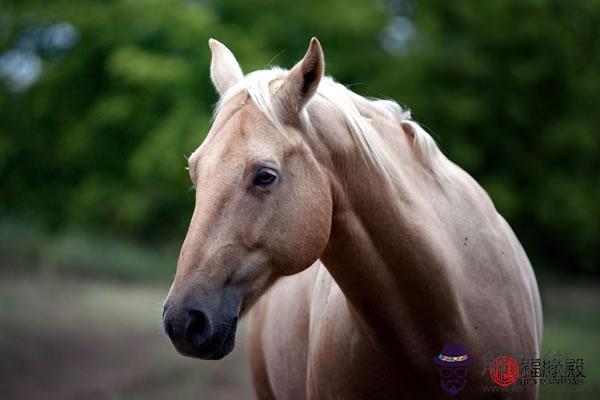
x=227 y=343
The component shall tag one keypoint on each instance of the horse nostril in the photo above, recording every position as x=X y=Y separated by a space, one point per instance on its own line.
x=197 y=328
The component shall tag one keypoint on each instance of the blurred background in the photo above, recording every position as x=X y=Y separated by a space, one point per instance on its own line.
x=100 y=102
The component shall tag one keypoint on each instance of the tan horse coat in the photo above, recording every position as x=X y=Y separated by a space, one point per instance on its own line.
x=412 y=253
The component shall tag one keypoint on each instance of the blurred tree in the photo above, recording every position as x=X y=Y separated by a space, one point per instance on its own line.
x=511 y=89
x=100 y=140
x=101 y=101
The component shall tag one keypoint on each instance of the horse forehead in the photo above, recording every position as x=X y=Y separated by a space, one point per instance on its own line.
x=250 y=128
x=256 y=127
x=239 y=131
x=226 y=128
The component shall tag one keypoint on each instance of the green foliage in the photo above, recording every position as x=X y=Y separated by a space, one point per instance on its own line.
x=32 y=249
x=511 y=89
x=508 y=88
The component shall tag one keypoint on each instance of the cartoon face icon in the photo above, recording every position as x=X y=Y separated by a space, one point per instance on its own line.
x=453 y=379
x=452 y=367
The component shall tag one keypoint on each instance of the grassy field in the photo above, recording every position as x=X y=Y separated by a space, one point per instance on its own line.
x=572 y=327
x=66 y=339
x=77 y=339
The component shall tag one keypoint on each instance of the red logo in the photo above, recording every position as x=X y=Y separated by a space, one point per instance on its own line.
x=504 y=371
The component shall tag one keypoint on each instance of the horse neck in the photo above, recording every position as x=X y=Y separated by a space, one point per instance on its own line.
x=381 y=253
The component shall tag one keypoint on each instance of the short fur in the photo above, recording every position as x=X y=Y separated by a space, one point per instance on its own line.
x=369 y=252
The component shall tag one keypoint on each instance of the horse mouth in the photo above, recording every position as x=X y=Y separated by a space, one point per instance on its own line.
x=227 y=342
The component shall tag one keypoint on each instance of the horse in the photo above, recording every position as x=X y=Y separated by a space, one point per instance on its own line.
x=355 y=246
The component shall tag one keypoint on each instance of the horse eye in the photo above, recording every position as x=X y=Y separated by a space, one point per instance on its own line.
x=264 y=178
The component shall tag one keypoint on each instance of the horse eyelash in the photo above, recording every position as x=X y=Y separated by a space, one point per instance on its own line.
x=192 y=188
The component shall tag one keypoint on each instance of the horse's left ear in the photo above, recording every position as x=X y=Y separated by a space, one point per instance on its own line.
x=225 y=71
x=303 y=80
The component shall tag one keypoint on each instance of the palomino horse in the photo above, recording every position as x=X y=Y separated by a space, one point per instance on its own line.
x=362 y=248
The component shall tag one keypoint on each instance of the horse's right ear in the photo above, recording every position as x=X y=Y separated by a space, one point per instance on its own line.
x=225 y=71
x=303 y=80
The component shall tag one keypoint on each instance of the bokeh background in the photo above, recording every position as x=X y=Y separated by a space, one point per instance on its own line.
x=100 y=102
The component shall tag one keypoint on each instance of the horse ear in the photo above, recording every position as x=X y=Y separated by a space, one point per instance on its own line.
x=303 y=80
x=225 y=71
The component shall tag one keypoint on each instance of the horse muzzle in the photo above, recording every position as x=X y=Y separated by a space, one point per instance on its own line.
x=196 y=332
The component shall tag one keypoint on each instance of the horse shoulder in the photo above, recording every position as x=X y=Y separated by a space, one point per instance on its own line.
x=278 y=337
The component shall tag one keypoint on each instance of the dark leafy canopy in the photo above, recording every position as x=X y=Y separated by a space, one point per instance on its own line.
x=509 y=88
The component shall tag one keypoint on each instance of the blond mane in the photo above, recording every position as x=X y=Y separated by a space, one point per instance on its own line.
x=259 y=86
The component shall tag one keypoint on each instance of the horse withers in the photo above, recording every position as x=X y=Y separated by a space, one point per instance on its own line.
x=357 y=247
